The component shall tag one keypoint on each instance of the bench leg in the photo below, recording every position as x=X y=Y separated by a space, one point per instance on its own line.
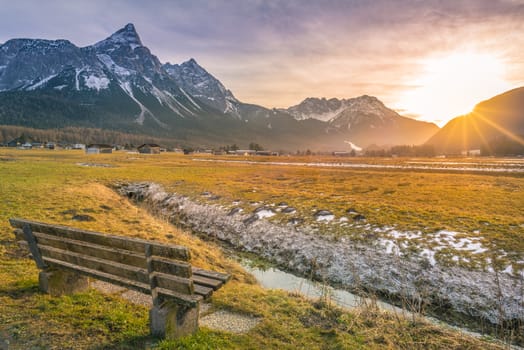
x=172 y=321
x=59 y=282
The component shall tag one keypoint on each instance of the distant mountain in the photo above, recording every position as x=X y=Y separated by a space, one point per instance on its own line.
x=118 y=84
x=364 y=120
x=499 y=120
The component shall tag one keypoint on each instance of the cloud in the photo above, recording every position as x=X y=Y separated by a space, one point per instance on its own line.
x=277 y=52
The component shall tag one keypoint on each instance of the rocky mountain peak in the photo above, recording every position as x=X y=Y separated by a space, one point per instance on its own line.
x=329 y=109
x=127 y=36
x=195 y=80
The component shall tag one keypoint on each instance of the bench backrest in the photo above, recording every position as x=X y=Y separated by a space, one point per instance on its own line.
x=152 y=268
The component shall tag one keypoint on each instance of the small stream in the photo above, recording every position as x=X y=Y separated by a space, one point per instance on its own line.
x=478 y=294
x=273 y=278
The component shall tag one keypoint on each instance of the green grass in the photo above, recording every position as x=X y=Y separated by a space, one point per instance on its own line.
x=49 y=186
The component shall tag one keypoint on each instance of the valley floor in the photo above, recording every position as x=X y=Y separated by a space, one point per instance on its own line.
x=462 y=212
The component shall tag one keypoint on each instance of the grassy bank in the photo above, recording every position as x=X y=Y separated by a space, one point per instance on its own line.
x=51 y=186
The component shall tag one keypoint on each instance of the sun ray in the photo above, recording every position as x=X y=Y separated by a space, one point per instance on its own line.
x=451 y=84
x=499 y=128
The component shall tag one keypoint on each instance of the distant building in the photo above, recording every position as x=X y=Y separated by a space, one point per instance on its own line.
x=471 y=152
x=26 y=145
x=266 y=153
x=243 y=152
x=13 y=143
x=96 y=148
x=149 y=148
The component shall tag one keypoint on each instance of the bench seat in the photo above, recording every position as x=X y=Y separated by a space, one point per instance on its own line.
x=67 y=256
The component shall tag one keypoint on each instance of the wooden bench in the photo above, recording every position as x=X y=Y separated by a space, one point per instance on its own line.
x=68 y=256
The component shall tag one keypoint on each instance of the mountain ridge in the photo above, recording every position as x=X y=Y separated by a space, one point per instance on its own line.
x=119 y=84
x=499 y=119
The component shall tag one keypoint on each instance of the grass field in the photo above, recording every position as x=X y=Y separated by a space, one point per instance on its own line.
x=51 y=186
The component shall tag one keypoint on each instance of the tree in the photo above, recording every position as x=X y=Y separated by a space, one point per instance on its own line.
x=255 y=147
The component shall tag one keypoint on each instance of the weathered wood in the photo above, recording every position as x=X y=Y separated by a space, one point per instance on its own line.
x=152 y=281
x=103 y=276
x=141 y=265
x=207 y=282
x=224 y=277
x=177 y=268
x=174 y=283
x=171 y=252
x=203 y=291
x=33 y=248
x=98 y=251
x=184 y=299
x=128 y=243
x=106 y=266
x=190 y=300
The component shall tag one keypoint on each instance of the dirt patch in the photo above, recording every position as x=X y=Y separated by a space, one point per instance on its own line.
x=227 y=321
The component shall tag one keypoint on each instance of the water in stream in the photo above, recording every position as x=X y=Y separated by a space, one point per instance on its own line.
x=273 y=278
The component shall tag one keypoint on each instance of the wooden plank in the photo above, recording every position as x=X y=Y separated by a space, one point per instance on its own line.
x=203 y=291
x=152 y=282
x=190 y=300
x=171 y=252
x=177 y=268
x=117 y=255
x=224 y=277
x=103 y=276
x=106 y=266
x=33 y=248
x=128 y=243
x=207 y=282
x=174 y=283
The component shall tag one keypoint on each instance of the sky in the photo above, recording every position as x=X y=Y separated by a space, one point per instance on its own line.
x=428 y=59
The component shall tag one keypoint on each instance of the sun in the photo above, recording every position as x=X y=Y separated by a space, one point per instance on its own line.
x=451 y=85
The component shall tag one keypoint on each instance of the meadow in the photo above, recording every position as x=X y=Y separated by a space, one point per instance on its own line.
x=52 y=186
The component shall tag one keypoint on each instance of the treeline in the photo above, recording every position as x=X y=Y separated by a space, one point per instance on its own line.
x=503 y=146
x=403 y=151
x=80 y=135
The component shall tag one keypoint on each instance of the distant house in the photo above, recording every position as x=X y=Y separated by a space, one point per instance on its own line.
x=471 y=152
x=26 y=145
x=266 y=153
x=149 y=148
x=13 y=143
x=244 y=152
x=96 y=148
x=79 y=146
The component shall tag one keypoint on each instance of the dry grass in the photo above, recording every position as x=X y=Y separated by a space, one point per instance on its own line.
x=50 y=187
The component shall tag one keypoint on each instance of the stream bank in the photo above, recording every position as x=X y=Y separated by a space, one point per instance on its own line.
x=480 y=298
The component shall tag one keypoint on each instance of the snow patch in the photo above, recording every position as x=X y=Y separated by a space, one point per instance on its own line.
x=77 y=82
x=327 y=218
x=190 y=99
x=112 y=66
x=353 y=146
x=41 y=82
x=265 y=213
x=97 y=83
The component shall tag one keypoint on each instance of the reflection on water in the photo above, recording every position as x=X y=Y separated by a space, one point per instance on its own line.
x=272 y=278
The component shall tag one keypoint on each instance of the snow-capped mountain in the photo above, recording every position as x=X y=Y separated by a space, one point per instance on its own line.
x=195 y=80
x=339 y=112
x=118 y=84
x=119 y=65
x=365 y=119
